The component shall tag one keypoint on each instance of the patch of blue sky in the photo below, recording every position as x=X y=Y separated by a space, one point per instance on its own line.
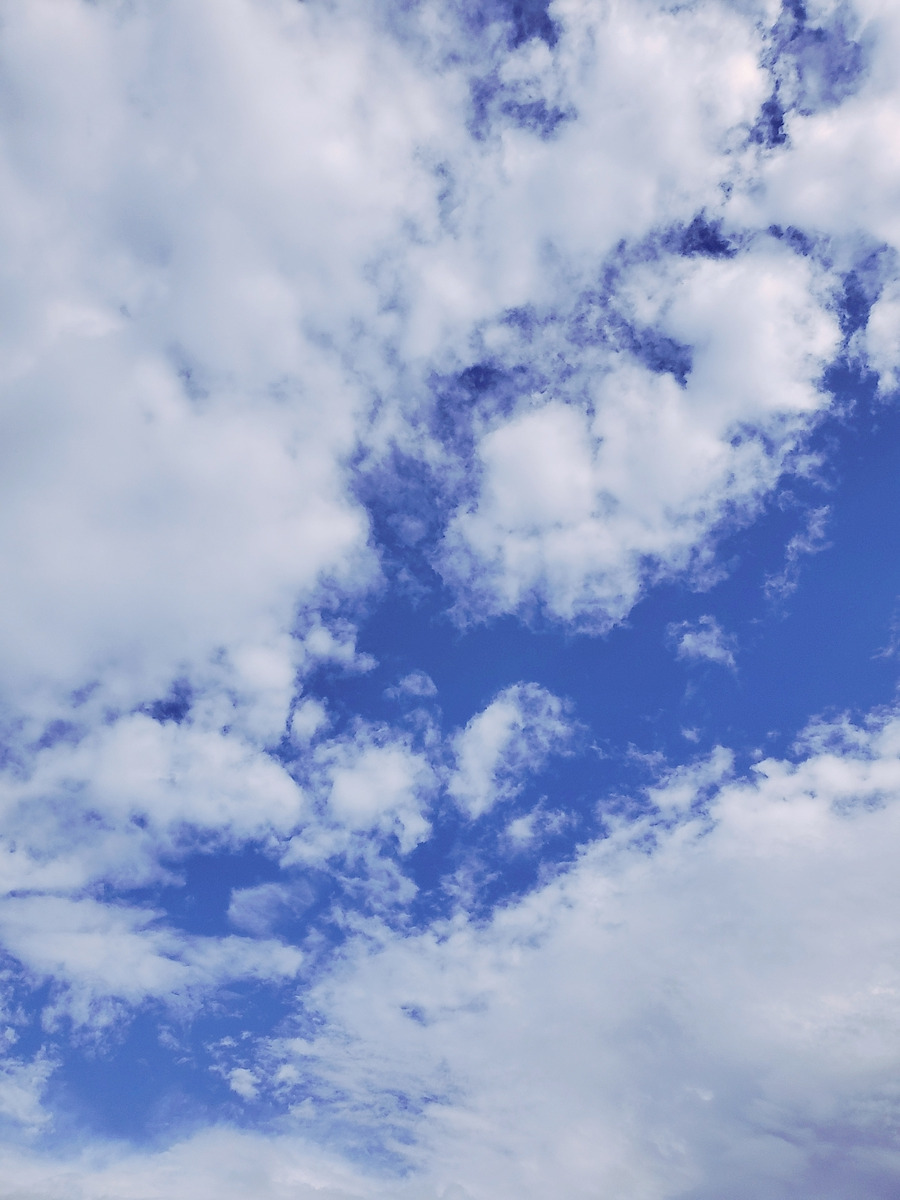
x=816 y=65
x=495 y=103
x=812 y=66
x=522 y=19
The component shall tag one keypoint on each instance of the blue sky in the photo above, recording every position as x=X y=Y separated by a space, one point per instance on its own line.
x=451 y=609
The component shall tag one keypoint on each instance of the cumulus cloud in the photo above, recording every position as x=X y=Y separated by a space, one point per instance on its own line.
x=882 y=338
x=417 y=684
x=822 y=183
x=181 y=430
x=705 y=640
x=514 y=735
x=22 y=1087
x=704 y=1004
x=100 y=952
x=374 y=784
x=110 y=806
x=580 y=505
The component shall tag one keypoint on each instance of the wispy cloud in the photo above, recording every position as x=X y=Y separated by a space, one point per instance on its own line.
x=811 y=540
x=704 y=639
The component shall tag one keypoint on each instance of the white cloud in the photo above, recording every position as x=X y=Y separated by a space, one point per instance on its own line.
x=181 y=431
x=706 y=640
x=580 y=506
x=837 y=177
x=649 y=146
x=102 y=952
x=417 y=683
x=22 y=1087
x=309 y=719
x=109 y=806
x=513 y=736
x=706 y=1004
x=526 y=830
x=809 y=541
x=882 y=338
x=370 y=786
x=226 y=1163
x=243 y=1082
x=377 y=785
x=840 y=170
x=201 y=316
x=255 y=910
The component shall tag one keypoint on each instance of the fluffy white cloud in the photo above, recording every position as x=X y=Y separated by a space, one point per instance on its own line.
x=840 y=172
x=837 y=175
x=706 y=1004
x=198 y=315
x=513 y=736
x=123 y=805
x=22 y=1087
x=882 y=338
x=642 y=105
x=706 y=639
x=218 y=1162
x=379 y=786
x=110 y=806
x=102 y=952
x=176 y=424
x=580 y=504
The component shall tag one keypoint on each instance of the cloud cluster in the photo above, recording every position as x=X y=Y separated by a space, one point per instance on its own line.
x=579 y=505
x=123 y=807
x=227 y=290
x=705 y=1004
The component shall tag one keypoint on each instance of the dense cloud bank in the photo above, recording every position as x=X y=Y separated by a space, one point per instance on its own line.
x=516 y=314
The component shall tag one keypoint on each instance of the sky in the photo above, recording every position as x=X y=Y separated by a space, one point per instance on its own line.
x=450 y=622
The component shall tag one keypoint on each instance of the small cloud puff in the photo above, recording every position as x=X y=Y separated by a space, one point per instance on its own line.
x=808 y=541
x=309 y=719
x=417 y=684
x=535 y=825
x=512 y=737
x=22 y=1085
x=706 y=640
x=257 y=910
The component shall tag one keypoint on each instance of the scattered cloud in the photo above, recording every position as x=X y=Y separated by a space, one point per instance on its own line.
x=705 y=639
x=811 y=540
x=513 y=736
x=581 y=504
x=417 y=684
